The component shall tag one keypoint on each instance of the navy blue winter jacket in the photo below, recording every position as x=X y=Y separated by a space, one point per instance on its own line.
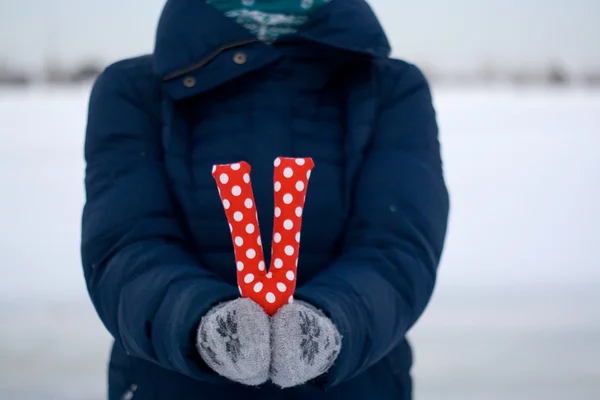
x=156 y=247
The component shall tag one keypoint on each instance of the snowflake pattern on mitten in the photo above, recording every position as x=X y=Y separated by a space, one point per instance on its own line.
x=273 y=288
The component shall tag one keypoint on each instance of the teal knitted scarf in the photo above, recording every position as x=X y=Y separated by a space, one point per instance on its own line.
x=269 y=19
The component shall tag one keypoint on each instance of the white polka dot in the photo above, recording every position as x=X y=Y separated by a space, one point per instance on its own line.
x=289 y=250
x=281 y=287
x=288 y=172
x=270 y=297
x=240 y=290
x=238 y=216
x=277 y=186
x=296 y=262
x=246 y=178
x=248 y=203
x=277 y=211
x=308 y=174
x=290 y=275
x=239 y=241
x=269 y=275
x=235 y=166
x=259 y=241
x=261 y=266
x=224 y=178
x=298 y=237
x=291 y=300
x=226 y=204
x=240 y=266
x=288 y=224
x=248 y=278
x=250 y=253
x=250 y=228
x=277 y=237
x=277 y=162
x=298 y=211
x=300 y=161
x=299 y=186
x=258 y=287
x=236 y=191
x=288 y=198
x=278 y=263
x=214 y=168
x=230 y=228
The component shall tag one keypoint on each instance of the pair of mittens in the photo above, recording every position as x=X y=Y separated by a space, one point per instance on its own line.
x=239 y=341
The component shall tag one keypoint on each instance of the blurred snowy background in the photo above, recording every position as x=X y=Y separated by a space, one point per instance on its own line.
x=515 y=314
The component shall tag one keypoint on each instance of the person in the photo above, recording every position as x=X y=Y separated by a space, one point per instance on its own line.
x=253 y=80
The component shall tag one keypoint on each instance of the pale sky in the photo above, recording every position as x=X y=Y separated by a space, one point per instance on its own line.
x=444 y=33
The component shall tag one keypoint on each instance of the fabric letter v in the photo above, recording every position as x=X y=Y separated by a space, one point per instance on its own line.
x=273 y=288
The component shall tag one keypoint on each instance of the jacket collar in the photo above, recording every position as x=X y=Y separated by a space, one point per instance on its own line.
x=192 y=35
x=348 y=25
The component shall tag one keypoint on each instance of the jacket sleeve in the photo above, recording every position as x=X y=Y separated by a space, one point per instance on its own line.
x=147 y=289
x=384 y=277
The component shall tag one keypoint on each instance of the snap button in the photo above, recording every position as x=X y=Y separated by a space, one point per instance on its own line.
x=239 y=58
x=189 y=82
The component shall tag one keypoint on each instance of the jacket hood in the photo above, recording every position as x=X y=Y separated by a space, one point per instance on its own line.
x=191 y=33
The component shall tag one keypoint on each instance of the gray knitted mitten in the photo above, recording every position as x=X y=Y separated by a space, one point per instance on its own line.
x=234 y=340
x=305 y=344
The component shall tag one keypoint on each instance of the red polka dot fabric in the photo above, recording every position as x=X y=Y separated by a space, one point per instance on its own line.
x=273 y=288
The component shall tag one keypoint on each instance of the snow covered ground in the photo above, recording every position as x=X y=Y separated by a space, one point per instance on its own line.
x=515 y=314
